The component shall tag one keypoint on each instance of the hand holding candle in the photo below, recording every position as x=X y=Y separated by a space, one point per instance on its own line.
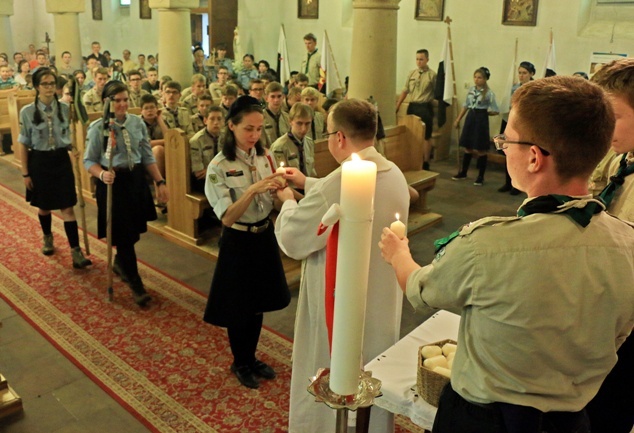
x=398 y=227
x=281 y=170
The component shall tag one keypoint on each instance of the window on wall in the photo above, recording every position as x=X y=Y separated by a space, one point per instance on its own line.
x=124 y=2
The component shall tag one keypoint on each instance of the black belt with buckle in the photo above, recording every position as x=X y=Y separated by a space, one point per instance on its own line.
x=258 y=227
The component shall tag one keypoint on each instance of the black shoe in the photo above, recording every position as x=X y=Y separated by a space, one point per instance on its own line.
x=117 y=269
x=505 y=188
x=459 y=176
x=263 y=370
x=141 y=297
x=479 y=181
x=245 y=376
x=515 y=191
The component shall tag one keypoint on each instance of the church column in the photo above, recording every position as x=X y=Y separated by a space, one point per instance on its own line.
x=66 y=36
x=6 y=36
x=373 y=60
x=174 y=44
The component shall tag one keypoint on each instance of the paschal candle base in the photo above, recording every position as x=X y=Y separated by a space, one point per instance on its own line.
x=369 y=389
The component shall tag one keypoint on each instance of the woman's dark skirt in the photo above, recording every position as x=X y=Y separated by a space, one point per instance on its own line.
x=132 y=206
x=249 y=278
x=53 y=180
x=475 y=133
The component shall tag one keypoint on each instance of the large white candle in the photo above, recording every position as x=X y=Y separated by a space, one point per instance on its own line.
x=358 y=183
x=398 y=227
x=281 y=170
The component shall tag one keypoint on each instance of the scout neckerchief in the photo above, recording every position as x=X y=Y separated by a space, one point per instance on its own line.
x=276 y=119
x=249 y=160
x=579 y=210
x=626 y=167
x=128 y=144
x=48 y=111
x=175 y=115
x=214 y=139
x=308 y=60
x=300 y=150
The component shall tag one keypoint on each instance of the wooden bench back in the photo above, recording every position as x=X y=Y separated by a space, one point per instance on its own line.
x=5 y=125
x=17 y=101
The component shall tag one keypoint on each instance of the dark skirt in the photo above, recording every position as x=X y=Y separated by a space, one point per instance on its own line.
x=53 y=180
x=475 y=133
x=424 y=110
x=249 y=278
x=132 y=206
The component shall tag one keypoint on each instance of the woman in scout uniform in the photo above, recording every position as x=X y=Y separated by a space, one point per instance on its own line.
x=475 y=138
x=132 y=204
x=46 y=167
x=249 y=278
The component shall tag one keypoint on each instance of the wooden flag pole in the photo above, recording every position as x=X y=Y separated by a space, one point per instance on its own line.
x=76 y=167
x=454 y=102
x=332 y=57
x=515 y=61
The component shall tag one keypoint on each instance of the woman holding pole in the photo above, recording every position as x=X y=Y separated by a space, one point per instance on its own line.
x=131 y=204
x=46 y=167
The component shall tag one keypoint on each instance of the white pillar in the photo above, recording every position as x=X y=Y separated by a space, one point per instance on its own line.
x=66 y=36
x=6 y=37
x=174 y=44
x=373 y=59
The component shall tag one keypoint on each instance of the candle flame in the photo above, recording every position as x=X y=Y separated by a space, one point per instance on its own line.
x=355 y=157
x=398 y=216
x=281 y=164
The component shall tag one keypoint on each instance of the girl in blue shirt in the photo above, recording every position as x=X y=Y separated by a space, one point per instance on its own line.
x=475 y=138
x=46 y=167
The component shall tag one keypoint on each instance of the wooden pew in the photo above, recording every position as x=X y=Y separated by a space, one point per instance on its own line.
x=440 y=137
x=16 y=100
x=5 y=125
x=404 y=147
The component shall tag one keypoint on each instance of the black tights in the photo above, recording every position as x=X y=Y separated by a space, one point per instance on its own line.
x=244 y=338
x=126 y=256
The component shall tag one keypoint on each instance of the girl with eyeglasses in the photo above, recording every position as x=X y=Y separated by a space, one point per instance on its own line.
x=475 y=138
x=46 y=167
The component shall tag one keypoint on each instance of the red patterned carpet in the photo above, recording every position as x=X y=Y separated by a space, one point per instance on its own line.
x=163 y=364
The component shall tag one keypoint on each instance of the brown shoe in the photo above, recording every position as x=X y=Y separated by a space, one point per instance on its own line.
x=48 y=248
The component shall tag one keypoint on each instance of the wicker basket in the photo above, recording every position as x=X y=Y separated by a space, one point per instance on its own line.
x=429 y=383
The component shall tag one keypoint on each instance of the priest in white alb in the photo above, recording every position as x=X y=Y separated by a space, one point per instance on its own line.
x=351 y=128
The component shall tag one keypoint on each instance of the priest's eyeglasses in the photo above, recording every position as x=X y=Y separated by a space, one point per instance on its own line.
x=501 y=143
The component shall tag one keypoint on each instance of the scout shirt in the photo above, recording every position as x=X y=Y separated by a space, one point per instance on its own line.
x=135 y=98
x=476 y=100
x=289 y=150
x=317 y=126
x=154 y=130
x=228 y=180
x=139 y=151
x=541 y=315
x=50 y=134
x=216 y=89
x=92 y=101
x=190 y=102
x=310 y=66
x=245 y=76
x=179 y=118
x=197 y=122
x=420 y=85
x=275 y=126
x=202 y=148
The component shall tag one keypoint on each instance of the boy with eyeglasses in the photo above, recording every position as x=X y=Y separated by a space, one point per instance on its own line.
x=134 y=85
x=174 y=114
x=217 y=87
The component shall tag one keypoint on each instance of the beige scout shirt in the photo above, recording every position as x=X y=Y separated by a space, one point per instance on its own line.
x=420 y=85
x=92 y=101
x=197 y=122
x=135 y=98
x=190 y=102
x=286 y=151
x=215 y=89
x=228 y=180
x=623 y=202
x=310 y=66
x=179 y=119
x=275 y=127
x=202 y=149
x=317 y=127
x=542 y=315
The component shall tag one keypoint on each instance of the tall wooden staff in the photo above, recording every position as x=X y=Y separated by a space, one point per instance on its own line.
x=454 y=99
x=109 y=144
x=76 y=167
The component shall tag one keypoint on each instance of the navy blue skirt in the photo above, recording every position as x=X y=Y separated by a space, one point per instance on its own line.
x=475 y=133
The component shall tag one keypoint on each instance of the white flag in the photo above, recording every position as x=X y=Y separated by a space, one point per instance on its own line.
x=283 y=68
x=447 y=94
x=237 y=50
x=327 y=69
x=551 y=61
x=505 y=104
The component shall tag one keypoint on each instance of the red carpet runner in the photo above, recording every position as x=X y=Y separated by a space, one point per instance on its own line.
x=163 y=364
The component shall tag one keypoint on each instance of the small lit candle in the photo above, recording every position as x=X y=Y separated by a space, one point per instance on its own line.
x=281 y=170
x=398 y=227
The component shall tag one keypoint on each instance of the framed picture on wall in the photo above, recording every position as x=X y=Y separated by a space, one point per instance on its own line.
x=308 y=9
x=97 y=13
x=430 y=10
x=520 y=12
x=145 y=13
